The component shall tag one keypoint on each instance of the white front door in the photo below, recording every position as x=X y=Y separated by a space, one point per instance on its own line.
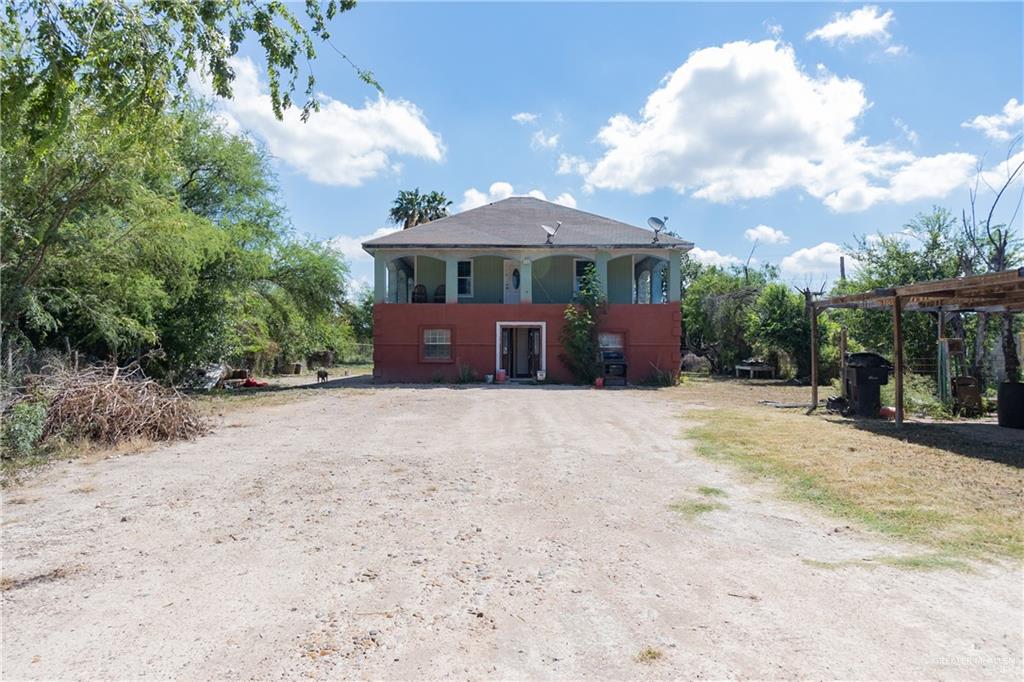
x=512 y=281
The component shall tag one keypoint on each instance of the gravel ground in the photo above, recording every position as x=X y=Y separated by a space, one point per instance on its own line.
x=486 y=532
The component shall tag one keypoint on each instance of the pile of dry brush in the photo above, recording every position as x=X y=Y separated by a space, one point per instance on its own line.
x=112 y=405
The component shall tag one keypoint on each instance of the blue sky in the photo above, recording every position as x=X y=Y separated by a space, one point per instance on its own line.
x=819 y=121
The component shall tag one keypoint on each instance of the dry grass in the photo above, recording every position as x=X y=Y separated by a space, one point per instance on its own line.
x=649 y=655
x=958 y=489
x=7 y=583
x=109 y=405
x=692 y=509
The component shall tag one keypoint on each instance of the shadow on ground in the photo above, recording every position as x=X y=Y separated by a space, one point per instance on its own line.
x=980 y=440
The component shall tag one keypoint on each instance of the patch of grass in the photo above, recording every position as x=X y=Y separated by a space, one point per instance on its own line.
x=827 y=565
x=960 y=505
x=925 y=562
x=649 y=655
x=913 y=562
x=693 y=509
x=708 y=491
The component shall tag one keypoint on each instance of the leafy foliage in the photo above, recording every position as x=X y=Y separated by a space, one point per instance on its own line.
x=779 y=323
x=579 y=335
x=927 y=248
x=22 y=428
x=158 y=233
x=715 y=311
x=128 y=57
x=411 y=208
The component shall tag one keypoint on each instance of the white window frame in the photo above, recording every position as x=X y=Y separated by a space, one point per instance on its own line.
x=426 y=344
x=575 y=277
x=470 y=278
x=604 y=335
x=543 y=341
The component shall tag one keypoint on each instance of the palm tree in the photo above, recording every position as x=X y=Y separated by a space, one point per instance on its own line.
x=435 y=205
x=412 y=208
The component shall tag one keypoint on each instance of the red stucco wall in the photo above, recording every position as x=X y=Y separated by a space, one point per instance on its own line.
x=652 y=337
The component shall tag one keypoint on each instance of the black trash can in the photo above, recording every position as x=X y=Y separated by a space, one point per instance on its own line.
x=1010 y=408
x=865 y=374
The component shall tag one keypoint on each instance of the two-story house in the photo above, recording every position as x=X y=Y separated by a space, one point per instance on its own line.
x=486 y=289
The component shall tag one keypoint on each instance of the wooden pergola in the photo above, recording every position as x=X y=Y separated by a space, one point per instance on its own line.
x=994 y=292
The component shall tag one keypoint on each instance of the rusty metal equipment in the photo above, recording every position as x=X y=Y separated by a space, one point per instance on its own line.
x=613 y=367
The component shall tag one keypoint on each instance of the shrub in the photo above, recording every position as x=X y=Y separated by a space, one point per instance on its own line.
x=466 y=374
x=579 y=334
x=22 y=428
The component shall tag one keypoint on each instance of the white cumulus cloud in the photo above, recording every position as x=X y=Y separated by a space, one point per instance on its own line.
x=473 y=198
x=868 y=22
x=340 y=144
x=524 y=117
x=1001 y=126
x=820 y=261
x=773 y=127
x=765 y=235
x=569 y=164
x=711 y=257
x=542 y=140
x=352 y=247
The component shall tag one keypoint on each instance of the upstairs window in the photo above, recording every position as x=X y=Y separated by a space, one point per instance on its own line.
x=643 y=287
x=579 y=269
x=437 y=344
x=465 y=268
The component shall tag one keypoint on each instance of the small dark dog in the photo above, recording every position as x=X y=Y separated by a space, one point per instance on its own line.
x=321 y=376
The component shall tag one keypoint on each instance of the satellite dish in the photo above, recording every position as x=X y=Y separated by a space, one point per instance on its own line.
x=657 y=224
x=552 y=231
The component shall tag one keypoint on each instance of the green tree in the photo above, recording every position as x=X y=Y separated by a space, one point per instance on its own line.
x=779 y=324
x=579 y=334
x=360 y=316
x=929 y=247
x=131 y=56
x=715 y=309
x=177 y=245
x=411 y=208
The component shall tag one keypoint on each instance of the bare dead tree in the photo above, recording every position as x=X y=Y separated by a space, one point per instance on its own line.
x=992 y=248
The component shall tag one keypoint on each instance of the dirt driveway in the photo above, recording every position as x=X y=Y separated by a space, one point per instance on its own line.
x=404 y=533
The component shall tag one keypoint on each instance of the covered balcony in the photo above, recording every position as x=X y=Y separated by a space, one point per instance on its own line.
x=635 y=277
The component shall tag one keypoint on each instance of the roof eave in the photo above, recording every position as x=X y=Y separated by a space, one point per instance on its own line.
x=370 y=246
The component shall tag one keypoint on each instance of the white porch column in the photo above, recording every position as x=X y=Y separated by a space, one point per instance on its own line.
x=392 y=282
x=380 y=278
x=526 y=280
x=657 y=277
x=451 y=279
x=674 y=284
x=601 y=266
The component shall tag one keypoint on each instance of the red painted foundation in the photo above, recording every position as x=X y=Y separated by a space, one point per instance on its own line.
x=651 y=334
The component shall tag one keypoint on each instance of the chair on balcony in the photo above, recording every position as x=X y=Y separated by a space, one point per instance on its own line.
x=419 y=294
x=439 y=295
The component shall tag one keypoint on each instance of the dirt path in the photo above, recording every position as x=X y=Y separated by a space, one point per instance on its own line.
x=487 y=532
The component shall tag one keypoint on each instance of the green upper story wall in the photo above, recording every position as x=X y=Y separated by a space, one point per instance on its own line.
x=620 y=280
x=488 y=281
x=553 y=279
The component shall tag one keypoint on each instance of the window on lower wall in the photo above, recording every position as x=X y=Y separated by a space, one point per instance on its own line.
x=611 y=340
x=437 y=345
